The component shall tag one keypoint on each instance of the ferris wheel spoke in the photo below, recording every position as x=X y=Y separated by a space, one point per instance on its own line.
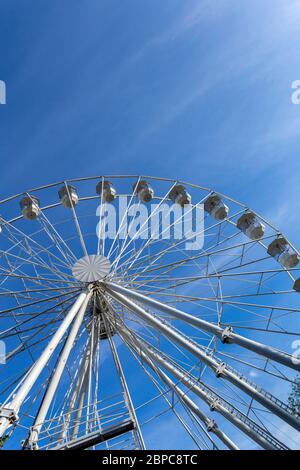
x=35 y=291
x=215 y=402
x=221 y=369
x=14 y=380
x=203 y=252
x=25 y=345
x=173 y=246
x=7 y=255
x=20 y=396
x=226 y=335
x=76 y=221
x=183 y=262
x=211 y=425
x=13 y=267
x=231 y=300
x=125 y=246
x=121 y=226
x=32 y=317
x=125 y=387
x=239 y=359
x=252 y=328
x=207 y=254
x=155 y=257
x=151 y=241
x=75 y=385
x=182 y=398
x=39 y=301
x=18 y=238
x=58 y=242
x=35 y=279
x=29 y=261
x=216 y=275
x=163 y=394
x=54 y=381
x=25 y=330
x=100 y=234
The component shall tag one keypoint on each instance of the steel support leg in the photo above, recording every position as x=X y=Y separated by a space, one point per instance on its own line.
x=225 y=334
x=9 y=414
x=121 y=374
x=243 y=423
x=54 y=381
x=221 y=369
x=211 y=425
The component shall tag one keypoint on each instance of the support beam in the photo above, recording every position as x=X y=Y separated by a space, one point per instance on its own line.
x=54 y=381
x=94 y=438
x=216 y=403
x=210 y=424
x=80 y=406
x=129 y=403
x=8 y=414
x=226 y=335
x=220 y=368
x=79 y=394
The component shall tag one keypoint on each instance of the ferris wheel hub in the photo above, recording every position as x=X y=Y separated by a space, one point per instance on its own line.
x=91 y=268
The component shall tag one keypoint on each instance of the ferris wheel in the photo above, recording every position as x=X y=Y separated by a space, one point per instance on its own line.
x=110 y=334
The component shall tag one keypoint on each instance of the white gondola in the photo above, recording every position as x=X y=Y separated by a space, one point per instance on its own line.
x=283 y=253
x=106 y=190
x=179 y=195
x=30 y=207
x=79 y=290
x=296 y=285
x=251 y=225
x=143 y=191
x=68 y=196
x=216 y=207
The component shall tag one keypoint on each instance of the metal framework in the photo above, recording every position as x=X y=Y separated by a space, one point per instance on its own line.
x=105 y=335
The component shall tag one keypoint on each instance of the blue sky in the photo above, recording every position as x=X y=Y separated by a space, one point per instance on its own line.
x=194 y=89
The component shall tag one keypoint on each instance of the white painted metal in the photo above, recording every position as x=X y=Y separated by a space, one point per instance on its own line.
x=227 y=335
x=151 y=265
x=39 y=365
x=240 y=421
x=210 y=424
x=220 y=368
x=125 y=386
x=54 y=381
x=91 y=268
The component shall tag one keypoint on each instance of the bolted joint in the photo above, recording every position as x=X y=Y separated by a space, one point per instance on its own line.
x=211 y=425
x=226 y=334
x=9 y=414
x=214 y=405
x=220 y=370
x=30 y=445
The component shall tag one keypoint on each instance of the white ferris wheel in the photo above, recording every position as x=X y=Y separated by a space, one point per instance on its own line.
x=106 y=338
